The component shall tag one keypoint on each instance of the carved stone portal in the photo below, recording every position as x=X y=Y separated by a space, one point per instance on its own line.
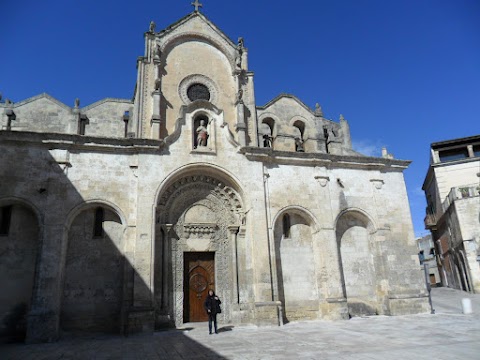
x=200 y=209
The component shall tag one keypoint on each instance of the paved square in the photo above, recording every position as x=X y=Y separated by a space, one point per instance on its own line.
x=446 y=335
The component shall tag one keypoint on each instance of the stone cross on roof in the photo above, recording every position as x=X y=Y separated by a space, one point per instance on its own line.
x=197 y=5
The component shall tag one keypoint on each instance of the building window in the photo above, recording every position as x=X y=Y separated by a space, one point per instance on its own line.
x=453 y=154
x=98 y=224
x=299 y=136
x=286 y=226
x=198 y=92
x=476 y=150
x=268 y=126
x=5 y=219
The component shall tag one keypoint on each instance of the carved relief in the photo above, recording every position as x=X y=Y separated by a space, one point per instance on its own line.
x=202 y=209
x=190 y=80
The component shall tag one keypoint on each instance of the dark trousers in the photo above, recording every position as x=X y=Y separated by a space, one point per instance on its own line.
x=212 y=318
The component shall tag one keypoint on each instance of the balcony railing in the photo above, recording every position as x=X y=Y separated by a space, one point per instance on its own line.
x=460 y=192
x=430 y=221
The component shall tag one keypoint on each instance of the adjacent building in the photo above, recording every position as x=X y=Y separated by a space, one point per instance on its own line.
x=427 y=256
x=119 y=216
x=452 y=189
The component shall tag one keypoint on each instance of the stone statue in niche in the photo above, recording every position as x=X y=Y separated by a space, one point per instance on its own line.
x=158 y=84
x=267 y=141
x=239 y=97
x=299 y=145
x=157 y=52
x=240 y=44
x=202 y=134
x=151 y=28
x=238 y=59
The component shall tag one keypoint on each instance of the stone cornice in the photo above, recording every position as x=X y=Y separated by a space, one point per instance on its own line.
x=106 y=100
x=289 y=96
x=320 y=159
x=192 y=15
x=34 y=98
x=80 y=142
x=61 y=104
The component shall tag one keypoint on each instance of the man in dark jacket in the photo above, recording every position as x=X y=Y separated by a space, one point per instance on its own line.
x=212 y=305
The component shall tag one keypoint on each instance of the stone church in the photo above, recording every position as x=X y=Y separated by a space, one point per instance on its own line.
x=119 y=216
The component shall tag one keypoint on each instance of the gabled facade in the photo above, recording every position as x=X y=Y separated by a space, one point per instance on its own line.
x=132 y=210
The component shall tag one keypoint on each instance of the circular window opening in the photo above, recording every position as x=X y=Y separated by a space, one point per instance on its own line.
x=198 y=92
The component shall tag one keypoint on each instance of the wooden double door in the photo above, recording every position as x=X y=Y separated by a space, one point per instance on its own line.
x=199 y=277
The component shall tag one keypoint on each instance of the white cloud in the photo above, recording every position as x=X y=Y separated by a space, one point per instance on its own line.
x=367 y=147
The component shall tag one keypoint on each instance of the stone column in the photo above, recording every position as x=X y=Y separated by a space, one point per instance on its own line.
x=345 y=128
x=157 y=95
x=335 y=302
x=470 y=151
x=43 y=320
x=241 y=127
x=235 y=266
x=141 y=316
x=156 y=120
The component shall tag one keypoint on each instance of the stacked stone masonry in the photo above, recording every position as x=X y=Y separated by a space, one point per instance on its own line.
x=271 y=203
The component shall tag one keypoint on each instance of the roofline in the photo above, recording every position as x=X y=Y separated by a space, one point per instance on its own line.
x=187 y=17
x=100 y=102
x=34 y=98
x=285 y=95
x=455 y=141
x=61 y=104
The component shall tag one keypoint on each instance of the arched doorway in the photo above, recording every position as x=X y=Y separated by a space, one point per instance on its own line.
x=354 y=238
x=94 y=270
x=295 y=265
x=19 y=242
x=194 y=246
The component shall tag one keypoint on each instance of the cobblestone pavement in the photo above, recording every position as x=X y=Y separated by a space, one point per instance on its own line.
x=446 y=335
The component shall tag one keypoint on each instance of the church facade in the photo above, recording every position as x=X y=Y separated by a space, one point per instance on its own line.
x=120 y=216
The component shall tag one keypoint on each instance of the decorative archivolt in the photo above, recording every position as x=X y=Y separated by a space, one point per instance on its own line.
x=198 y=79
x=226 y=49
x=186 y=191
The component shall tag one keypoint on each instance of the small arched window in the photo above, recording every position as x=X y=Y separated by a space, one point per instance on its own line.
x=268 y=126
x=286 y=226
x=98 y=223
x=299 y=136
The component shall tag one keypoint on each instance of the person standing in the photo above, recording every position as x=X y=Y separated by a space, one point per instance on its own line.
x=212 y=306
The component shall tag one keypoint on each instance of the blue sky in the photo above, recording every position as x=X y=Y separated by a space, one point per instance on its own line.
x=404 y=73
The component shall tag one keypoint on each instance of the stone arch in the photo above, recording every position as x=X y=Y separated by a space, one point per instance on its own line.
x=354 y=232
x=304 y=126
x=174 y=41
x=19 y=249
x=294 y=265
x=94 y=269
x=463 y=274
x=268 y=124
x=198 y=211
x=468 y=275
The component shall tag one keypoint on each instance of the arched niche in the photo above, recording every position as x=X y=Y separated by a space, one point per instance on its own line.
x=194 y=217
x=19 y=245
x=354 y=233
x=267 y=132
x=295 y=265
x=93 y=287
